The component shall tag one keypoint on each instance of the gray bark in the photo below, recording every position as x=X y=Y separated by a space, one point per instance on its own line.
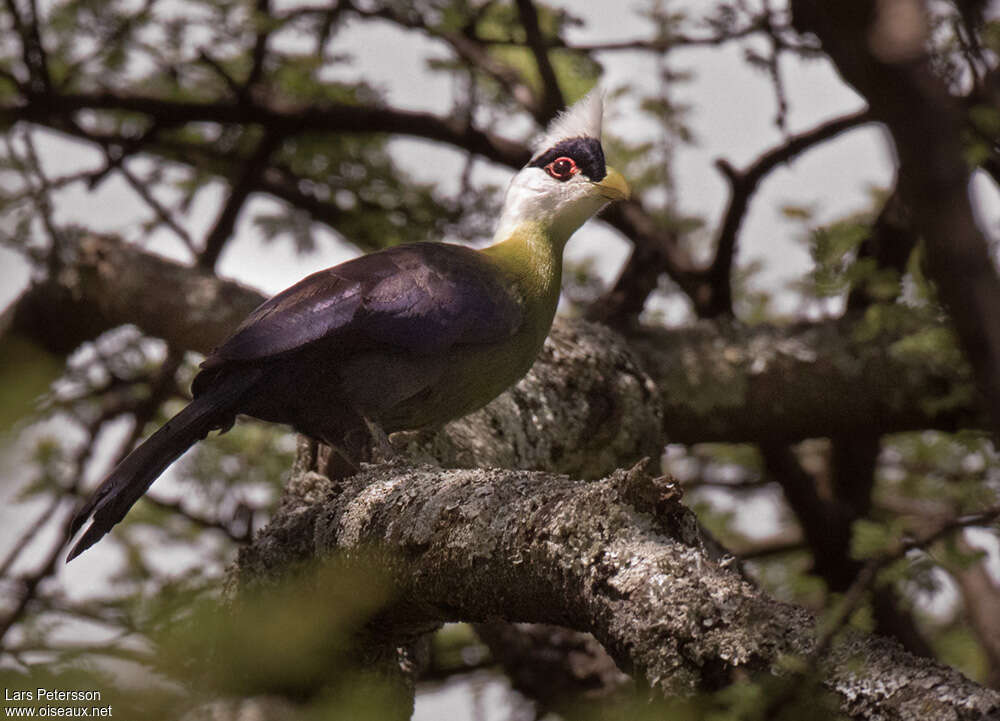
x=620 y=557
x=101 y=283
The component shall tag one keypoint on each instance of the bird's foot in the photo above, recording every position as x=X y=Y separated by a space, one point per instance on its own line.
x=382 y=450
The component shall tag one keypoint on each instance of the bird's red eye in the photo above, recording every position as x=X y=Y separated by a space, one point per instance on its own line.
x=562 y=168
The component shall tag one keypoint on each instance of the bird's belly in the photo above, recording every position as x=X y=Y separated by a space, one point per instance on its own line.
x=413 y=392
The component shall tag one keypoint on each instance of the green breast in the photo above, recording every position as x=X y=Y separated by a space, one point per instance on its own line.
x=467 y=377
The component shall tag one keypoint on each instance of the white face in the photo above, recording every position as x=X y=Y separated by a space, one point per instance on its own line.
x=534 y=196
x=554 y=190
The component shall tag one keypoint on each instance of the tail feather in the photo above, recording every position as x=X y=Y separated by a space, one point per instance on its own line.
x=131 y=478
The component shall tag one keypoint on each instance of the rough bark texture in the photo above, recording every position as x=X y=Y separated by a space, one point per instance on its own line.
x=619 y=557
x=732 y=383
x=713 y=382
x=102 y=283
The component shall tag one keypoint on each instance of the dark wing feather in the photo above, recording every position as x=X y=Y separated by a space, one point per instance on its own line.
x=317 y=305
x=439 y=296
x=423 y=298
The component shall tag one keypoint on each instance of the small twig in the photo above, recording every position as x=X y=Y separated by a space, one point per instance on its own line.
x=40 y=196
x=32 y=52
x=552 y=100
x=160 y=387
x=41 y=59
x=161 y=212
x=30 y=583
x=242 y=186
x=110 y=650
x=262 y=9
x=774 y=68
x=765 y=549
x=215 y=524
x=836 y=620
x=868 y=573
x=748 y=485
x=234 y=87
x=30 y=534
x=743 y=184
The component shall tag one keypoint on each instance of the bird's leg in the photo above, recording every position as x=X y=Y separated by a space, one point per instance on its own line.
x=339 y=463
x=382 y=451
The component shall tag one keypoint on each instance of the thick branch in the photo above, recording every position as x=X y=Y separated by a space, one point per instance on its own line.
x=104 y=283
x=278 y=119
x=620 y=558
x=723 y=382
x=883 y=55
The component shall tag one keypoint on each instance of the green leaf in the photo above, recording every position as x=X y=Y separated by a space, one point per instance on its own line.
x=870 y=539
x=26 y=372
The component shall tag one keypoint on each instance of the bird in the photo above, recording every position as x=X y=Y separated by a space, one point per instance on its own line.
x=404 y=338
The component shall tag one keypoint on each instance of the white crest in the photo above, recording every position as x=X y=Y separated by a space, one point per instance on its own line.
x=583 y=119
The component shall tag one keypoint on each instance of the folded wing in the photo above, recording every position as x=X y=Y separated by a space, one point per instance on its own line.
x=422 y=298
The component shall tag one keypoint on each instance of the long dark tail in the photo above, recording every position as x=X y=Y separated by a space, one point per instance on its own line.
x=131 y=478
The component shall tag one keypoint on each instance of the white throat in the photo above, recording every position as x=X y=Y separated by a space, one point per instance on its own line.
x=556 y=209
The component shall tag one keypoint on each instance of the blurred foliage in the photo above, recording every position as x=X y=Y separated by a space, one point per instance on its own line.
x=294 y=640
x=26 y=372
x=291 y=640
x=757 y=698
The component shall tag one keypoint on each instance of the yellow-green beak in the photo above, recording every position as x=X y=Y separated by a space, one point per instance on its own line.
x=614 y=187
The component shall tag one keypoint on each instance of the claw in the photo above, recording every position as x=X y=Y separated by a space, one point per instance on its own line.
x=382 y=450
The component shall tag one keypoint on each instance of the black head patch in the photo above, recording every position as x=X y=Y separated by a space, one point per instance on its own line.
x=586 y=152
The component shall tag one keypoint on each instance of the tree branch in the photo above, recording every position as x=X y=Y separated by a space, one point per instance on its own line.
x=279 y=119
x=981 y=598
x=620 y=558
x=242 y=185
x=890 y=66
x=551 y=665
x=656 y=250
x=742 y=185
x=552 y=100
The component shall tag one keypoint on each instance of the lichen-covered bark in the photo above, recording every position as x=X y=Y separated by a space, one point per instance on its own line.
x=619 y=557
x=102 y=283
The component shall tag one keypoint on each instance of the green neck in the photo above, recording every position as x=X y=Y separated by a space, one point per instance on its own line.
x=532 y=259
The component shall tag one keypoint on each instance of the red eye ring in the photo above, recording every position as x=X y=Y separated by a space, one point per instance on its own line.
x=562 y=168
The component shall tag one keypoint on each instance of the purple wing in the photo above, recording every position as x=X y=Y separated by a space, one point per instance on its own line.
x=423 y=298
